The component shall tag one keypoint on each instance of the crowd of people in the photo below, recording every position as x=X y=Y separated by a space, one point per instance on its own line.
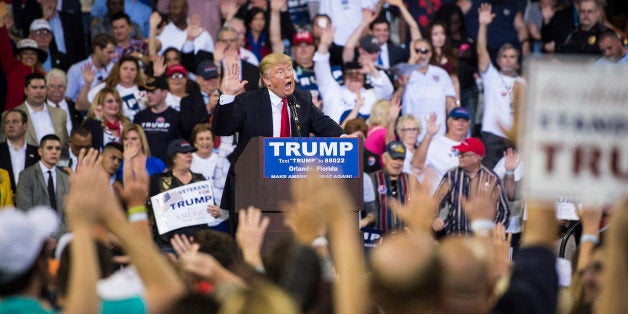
x=107 y=103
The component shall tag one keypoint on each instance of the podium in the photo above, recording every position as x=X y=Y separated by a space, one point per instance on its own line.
x=269 y=166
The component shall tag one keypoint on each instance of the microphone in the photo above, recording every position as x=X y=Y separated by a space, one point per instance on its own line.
x=292 y=103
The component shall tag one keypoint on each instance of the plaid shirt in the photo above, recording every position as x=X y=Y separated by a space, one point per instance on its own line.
x=459 y=184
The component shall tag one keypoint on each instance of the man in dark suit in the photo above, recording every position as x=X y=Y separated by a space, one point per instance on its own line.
x=389 y=54
x=264 y=112
x=15 y=147
x=43 y=183
x=66 y=26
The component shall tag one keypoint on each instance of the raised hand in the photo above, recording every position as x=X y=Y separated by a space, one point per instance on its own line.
x=396 y=3
x=130 y=150
x=327 y=35
x=368 y=67
x=231 y=84
x=482 y=201
x=485 y=16
x=418 y=211
x=194 y=27
x=431 y=124
x=395 y=108
x=159 y=65
x=182 y=244
x=219 y=51
x=250 y=234
x=136 y=182
x=228 y=8
x=368 y=16
x=154 y=19
x=511 y=159
x=88 y=73
x=277 y=5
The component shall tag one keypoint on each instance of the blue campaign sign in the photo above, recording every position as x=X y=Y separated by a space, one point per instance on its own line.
x=294 y=157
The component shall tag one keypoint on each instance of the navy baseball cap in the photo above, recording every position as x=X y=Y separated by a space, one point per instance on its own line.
x=459 y=112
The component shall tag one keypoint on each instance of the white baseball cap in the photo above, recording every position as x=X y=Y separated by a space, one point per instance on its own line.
x=40 y=24
x=22 y=236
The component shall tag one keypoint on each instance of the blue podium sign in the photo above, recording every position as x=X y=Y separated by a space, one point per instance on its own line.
x=286 y=158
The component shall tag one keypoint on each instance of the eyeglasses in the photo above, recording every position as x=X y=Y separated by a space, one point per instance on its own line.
x=228 y=40
x=410 y=130
x=177 y=76
x=112 y=101
x=422 y=50
x=61 y=86
x=42 y=32
x=464 y=155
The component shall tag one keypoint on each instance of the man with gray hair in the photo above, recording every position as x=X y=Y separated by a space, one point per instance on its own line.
x=56 y=85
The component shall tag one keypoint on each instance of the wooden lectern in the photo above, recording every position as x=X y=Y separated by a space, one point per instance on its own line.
x=252 y=188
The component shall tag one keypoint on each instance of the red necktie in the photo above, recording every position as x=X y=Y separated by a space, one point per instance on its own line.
x=285 y=122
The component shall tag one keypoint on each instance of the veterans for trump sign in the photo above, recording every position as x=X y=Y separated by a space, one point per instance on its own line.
x=183 y=206
x=575 y=131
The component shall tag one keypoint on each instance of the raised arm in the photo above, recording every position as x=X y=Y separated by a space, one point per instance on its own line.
x=415 y=32
x=612 y=298
x=275 y=25
x=485 y=17
x=368 y=16
x=82 y=103
x=522 y=33
x=154 y=20
x=420 y=155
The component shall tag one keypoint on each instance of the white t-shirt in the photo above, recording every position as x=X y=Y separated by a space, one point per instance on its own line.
x=345 y=16
x=248 y=56
x=172 y=36
x=441 y=157
x=338 y=99
x=173 y=101
x=214 y=168
x=427 y=93
x=132 y=99
x=498 y=108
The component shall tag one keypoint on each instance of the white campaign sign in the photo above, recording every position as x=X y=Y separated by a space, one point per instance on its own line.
x=183 y=206
x=575 y=131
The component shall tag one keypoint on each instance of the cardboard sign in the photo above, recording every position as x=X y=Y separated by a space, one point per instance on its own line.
x=183 y=206
x=574 y=131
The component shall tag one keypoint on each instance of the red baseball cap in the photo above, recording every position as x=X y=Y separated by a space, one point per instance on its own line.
x=472 y=144
x=303 y=36
x=176 y=69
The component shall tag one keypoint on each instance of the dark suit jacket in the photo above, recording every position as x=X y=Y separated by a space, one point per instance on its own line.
x=396 y=54
x=75 y=115
x=250 y=114
x=72 y=25
x=193 y=112
x=32 y=157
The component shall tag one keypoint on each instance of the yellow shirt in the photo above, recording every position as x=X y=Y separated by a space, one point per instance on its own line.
x=6 y=194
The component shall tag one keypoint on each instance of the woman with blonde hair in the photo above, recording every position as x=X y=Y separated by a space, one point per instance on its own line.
x=137 y=152
x=408 y=128
x=381 y=126
x=112 y=123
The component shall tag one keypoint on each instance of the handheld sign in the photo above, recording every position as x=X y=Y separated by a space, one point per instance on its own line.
x=575 y=130
x=183 y=206
x=286 y=158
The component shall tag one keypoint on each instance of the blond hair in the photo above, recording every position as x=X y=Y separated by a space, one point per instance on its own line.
x=140 y=133
x=271 y=60
x=407 y=118
x=379 y=114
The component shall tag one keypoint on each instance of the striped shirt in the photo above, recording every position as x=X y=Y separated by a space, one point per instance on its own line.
x=458 y=183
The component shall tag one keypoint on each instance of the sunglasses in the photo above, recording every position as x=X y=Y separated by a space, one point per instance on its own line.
x=177 y=76
x=422 y=50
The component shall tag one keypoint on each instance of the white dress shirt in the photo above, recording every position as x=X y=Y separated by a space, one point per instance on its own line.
x=41 y=120
x=63 y=105
x=18 y=159
x=45 y=169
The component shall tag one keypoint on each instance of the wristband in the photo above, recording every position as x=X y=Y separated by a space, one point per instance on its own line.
x=138 y=217
x=482 y=227
x=136 y=210
x=320 y=241
x=589 y=238
x=510 y=172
